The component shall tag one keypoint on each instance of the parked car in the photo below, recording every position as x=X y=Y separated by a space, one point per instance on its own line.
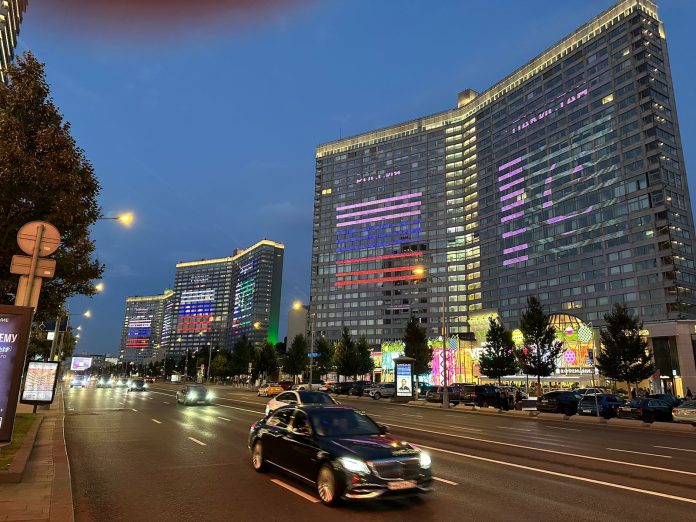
x=194 y=394
x=666 y=397
x=559 y=401
x=608 y=403
x=590 y=391
x=340 y=451
x=685 y=412
x=387 y=389
x=269 y=389
x=481 y=395
x=342 y=388
x=647 y=410
x=298 y=398
x=150 y=380
x=423 y=388
x=436 y=394
x=315 y=385
x=358 y=387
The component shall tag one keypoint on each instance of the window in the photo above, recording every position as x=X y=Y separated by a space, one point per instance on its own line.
x=281 y=419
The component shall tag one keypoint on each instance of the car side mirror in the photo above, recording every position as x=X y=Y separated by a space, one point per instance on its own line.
x=383 y=430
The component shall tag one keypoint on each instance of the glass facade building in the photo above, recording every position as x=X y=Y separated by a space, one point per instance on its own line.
x=220 y=300
x=565 y=180
x=146 y=327
x=11 y=14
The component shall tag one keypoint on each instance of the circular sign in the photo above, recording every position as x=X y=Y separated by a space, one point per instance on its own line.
x=28 y=234
x=569 y=357
x=517 y=336
x=585 y=334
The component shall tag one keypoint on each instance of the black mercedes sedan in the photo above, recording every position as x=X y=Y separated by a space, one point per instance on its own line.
x=340 y=451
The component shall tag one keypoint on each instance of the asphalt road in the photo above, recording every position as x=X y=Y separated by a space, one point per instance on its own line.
x=140 y=456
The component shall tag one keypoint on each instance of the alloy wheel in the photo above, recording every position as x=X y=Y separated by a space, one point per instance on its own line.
x=326 y=485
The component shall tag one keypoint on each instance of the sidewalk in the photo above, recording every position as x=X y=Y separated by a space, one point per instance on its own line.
x=45 y=493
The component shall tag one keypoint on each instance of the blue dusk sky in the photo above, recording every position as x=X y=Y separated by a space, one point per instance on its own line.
x=207 y=129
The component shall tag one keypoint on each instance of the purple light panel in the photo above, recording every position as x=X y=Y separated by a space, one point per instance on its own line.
x=515 y=248
x=511 y=184
x=510 y=163
x=510 y=174
x=378 y=201
x=380 y=209
x=515 y=260
x=512 y=216
x=513 y=205
x=514 y=232
x=379 y=218
x=511 y=195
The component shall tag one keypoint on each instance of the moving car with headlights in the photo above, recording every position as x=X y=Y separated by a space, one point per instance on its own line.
x=558 y=401
x=685 y=412
x=269 y=389
x=105 y=382
x=387 y=389
x=78 y=381
x=298 y=398
x=194 y=394
x=647 y=410
x=342 y=452
x=608 y=403
x=121 y=383
x=137 y=385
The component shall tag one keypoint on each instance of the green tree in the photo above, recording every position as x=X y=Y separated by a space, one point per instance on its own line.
x=266 y=361
x=241 y=357
x=498 y=358
x=540 y=348
x=364 y=363
x=218 y=365
x=296 y=359
x=324 y=362
x=44 y=176
x=625 y=356
x=416 y=346
x=345 y=355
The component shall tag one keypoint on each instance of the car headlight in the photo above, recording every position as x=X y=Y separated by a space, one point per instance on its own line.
x=209 y=396
x=353 y=465
x=425 y=460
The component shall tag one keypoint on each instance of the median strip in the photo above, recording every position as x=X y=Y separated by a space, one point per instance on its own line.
x=197 y=441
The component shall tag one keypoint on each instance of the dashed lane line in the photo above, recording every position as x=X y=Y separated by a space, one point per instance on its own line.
x=675 y=449
x=558 y=428
x=156 y=421
x=165 y=402
x=466 y=429
x=640 y=453
x=225 y=419
x=197 y=441
x=514 y=429
x=446 y=481
x=134 y=409
x=296 y=491
x=240 y=409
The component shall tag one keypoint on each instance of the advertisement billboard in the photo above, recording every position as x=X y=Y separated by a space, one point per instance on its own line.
x=80 y=363
x=404 y=384
x=40 y=383
x=15 y=322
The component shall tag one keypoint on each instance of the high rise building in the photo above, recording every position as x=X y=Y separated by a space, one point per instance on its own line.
x=11 y=13
x=220 y=300
x=146 y=327
x=565 y=180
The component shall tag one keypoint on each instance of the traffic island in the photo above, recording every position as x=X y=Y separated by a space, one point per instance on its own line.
x=14 y=456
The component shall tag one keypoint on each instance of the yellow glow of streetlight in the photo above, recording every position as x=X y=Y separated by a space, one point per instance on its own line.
x=79 y=328
x=88 y=313
x=297 y=305
x=99 y=287
x=257 y=325
x=126 y=218
x=419 y=271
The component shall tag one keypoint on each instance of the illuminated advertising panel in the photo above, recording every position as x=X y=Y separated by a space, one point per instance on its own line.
x=404 y=383
x=80 y=363
x=40 y=383
x=15 y=322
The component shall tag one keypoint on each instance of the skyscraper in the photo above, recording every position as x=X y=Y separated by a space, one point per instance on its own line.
x=564 y=180
x=11 y=13
x=220 y=300
x=146 y=327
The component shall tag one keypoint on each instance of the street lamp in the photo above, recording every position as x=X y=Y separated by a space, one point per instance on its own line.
x=125 y=218
x=56 y=331
x=99 y=287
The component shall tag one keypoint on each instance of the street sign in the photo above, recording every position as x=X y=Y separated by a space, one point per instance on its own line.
x=313 y=354
x=21 y=265
x=27 y=235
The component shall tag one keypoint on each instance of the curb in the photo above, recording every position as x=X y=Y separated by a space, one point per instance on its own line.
x=61 y=490
x=15 y=473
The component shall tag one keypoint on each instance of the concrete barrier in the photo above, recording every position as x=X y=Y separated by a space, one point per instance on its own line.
x=15 y=472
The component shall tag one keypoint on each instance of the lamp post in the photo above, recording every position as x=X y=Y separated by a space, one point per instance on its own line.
x=56 y=331
x=125 y=218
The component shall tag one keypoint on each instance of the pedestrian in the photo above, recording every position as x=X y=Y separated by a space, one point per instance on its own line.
x=689 y=395
x=506 y=399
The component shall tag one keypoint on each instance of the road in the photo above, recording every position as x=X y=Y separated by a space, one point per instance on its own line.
x=140 y=456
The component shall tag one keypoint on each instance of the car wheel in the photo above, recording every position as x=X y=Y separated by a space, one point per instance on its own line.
x=377 y=396
x=648 y=416
x=327 y=486
x=257 y=460
x=569 y=411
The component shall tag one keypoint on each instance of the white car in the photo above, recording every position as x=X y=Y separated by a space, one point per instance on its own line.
x=297 y=398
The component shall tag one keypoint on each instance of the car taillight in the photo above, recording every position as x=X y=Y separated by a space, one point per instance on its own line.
x=677 y=412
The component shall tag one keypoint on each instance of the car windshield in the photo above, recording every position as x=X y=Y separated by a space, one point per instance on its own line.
x=196 y=389
x=688 y=404
x=342 y=423
x=316 y=398
x=139 y=382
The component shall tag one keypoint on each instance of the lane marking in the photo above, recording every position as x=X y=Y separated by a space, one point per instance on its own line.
x=296 y=491
x=640 y=453
x=446 y=481
x=197 y=441
x=134 y=409
x=676 y=449
x=165 y=402
x=241 y=409
x=408 y=415
x=155 y=420
x=515 y=429
x=121 y=402
x=150 y=398
x=555 y=452
x=467 y=429
x=565 y=475
x=225 y=419
x=566 y=429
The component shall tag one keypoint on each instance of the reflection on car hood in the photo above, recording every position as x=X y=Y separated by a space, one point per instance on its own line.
x=372 y=447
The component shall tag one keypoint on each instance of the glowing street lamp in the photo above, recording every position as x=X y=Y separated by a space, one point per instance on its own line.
x=87 y=313
x=99 y=287
x=125 y=218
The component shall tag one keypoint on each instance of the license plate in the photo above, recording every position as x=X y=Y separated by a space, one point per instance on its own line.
x=401 y=484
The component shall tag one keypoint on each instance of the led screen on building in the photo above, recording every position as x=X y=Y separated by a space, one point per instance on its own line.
x=80 y=363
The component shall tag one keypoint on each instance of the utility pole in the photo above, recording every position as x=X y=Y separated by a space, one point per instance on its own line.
x=311 y=347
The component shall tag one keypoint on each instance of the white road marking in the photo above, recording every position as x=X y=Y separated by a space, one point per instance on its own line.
x=565 y=475
x=71 y=408
x=241 y=409
x=408 y=415
x=225 y=419
x=555 y=452
x=197 y=441
x=640 y=453
x=150 y=398
x=446 y=481
x=165 y=402
x=122 y=402
x=516 y=429
x=296 y=491
x=134 y=409
x=676 y=449
x=155 y=420
x=466 y=429
x=566 y=429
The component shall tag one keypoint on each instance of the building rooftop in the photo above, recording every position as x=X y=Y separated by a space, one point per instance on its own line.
x=238 y=253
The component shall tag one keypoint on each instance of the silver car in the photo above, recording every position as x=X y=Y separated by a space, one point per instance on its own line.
x=685 y=412
x=388 y=389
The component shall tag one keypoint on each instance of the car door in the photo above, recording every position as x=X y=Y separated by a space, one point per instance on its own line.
x=301 y=447
x=277 y=426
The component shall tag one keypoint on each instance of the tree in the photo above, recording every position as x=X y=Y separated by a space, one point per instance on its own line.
x=625 y=356
x=266 y=361
x=323 y=363
x=416 y=346
x=540 y=348
x=242 y=354
x=345 y=355
x=364 y=363
x=44 y=176
x=296 y=359
x=498 y=358
x=218 y=365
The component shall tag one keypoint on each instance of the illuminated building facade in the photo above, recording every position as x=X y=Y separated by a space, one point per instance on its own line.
x=11 y=13
x=565 y=180
x=146 y=327
x=220 y=300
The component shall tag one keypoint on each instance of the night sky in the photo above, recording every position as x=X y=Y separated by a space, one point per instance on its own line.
x=205 y=125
